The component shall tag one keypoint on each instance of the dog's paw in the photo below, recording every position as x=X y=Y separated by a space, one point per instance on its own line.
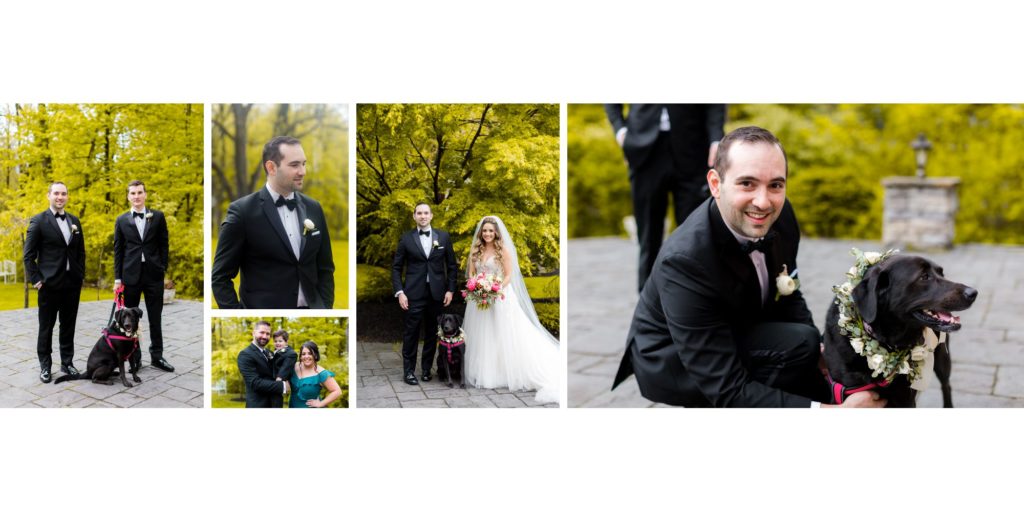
x=136 y=378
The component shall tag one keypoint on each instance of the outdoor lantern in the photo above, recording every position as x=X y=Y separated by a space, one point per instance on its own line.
x=921 y=147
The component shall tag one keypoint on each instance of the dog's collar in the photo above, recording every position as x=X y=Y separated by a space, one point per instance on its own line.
x=450 y=342
x=840 y=392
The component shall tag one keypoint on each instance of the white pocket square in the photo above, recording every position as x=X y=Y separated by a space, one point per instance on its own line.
x=315 y=233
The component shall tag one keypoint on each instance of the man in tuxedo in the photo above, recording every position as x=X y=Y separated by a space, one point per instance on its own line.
x=254 y=363
x=279 y=240
x=140 y=261
x=426 y=255
x=669 y=148
x=711 y=327
x=55 y=264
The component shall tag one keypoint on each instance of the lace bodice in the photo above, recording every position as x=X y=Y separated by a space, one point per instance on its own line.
x=489 y=266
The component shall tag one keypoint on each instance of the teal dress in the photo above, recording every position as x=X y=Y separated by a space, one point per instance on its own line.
x=307 y=388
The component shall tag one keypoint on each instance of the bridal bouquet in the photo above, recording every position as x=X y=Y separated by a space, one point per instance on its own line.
x=484 y=289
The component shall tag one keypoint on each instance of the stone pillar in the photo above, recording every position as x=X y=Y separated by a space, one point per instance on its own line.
x=920 y=213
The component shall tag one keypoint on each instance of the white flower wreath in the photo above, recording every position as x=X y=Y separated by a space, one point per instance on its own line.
x=880 y=360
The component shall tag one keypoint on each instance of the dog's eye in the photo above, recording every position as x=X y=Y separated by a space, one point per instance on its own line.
x=925 y=276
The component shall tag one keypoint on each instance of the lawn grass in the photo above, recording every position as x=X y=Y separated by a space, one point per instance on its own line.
x=12 y=296
x=339 y=249
x=224 y=401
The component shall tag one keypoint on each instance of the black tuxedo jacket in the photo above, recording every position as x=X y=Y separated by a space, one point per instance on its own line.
x=284 y=363
x=694 y=128
x=261 y=390
x=129 y=247
x=703 y=295
x=440 y=266
x=253 y=239
x=47 y=254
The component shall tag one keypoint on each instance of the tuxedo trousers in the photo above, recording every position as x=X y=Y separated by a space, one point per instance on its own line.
x=151 y=285
x=57 y=303
x=421 y=313
x=659 y=177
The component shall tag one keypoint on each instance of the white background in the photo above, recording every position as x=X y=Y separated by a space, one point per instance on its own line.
x=525 y=51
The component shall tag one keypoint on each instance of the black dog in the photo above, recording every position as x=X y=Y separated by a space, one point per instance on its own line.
x=897 y=299
x=451 y=349
x=116 y=345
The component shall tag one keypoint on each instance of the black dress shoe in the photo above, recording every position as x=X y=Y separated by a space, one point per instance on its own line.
x=45 y=376
x=162 y=364
x=426 y=376
x=69 y=369
x=410 y=379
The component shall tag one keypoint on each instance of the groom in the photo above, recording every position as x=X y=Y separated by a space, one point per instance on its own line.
x=711 y=327
x=278 y=238
x=427 y=256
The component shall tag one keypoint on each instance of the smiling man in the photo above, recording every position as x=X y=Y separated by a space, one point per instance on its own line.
x=711 y=328
x=278 y=239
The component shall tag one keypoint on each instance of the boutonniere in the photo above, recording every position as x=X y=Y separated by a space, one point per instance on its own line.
x=74 y=229
x=149 y=215
x=786 y=283
x=435 y=245
x=307 y=226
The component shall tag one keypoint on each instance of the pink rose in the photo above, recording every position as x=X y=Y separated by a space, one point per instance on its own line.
x=495 y=287
x=471 y=285
x=463 y=294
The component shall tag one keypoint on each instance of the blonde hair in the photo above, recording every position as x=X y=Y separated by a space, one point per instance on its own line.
x=478 y=242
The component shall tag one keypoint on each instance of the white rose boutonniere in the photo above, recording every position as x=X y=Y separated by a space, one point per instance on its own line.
x=435 y=244
x=74 y=229
x=149 y=215
x=786 y=283
x=307 y=226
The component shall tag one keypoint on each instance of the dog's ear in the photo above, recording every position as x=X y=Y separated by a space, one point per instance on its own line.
x=440 y=318
x=867 y=293
x=137 y=312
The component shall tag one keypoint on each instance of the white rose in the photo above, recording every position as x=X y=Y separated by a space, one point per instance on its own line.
x=308 y=224
x=843 y=319
x=872 y=257
x=846 y=288
x=918 y=353
x=876 y=361
x=149 y=215
x=785 y=284
x=858 y=346
x=904 y=368
x=852 y=272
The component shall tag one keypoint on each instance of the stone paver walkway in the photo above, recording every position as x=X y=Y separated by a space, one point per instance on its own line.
x=988 y=352
x=380 y=384
x=183 y=348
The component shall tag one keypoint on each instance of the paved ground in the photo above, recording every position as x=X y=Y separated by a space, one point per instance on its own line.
x=988 y=353
x=183 y=348
x=380 y=384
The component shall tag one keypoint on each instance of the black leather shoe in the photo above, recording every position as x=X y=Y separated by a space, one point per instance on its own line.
x=69 y=369
x=426 y=376
x=162 y=364
x=45 y=376
x=410 y=379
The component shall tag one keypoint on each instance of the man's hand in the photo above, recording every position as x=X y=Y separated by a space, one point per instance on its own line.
x=286 y=387
x=38 y=285
x=117 y=284
x=403 y=301
x=620 y=136
x=862 y=399
x=447 y=298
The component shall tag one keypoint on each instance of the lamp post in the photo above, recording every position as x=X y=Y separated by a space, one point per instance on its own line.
x=921 y=148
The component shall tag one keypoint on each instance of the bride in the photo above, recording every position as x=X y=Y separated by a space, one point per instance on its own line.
x=506 y=344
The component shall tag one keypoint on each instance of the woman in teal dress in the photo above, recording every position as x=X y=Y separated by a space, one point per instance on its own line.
x=309 y=379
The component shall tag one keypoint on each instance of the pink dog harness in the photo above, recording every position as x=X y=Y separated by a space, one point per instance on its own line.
x=840 y=392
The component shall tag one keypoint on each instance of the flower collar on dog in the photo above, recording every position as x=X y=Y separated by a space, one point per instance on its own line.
x=882 y=362
x=450 y=342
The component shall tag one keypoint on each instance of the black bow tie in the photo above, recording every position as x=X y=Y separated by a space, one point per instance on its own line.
x=424 y=233
x=138 y=215
x=281 y=201
x=60 y=216
x=760 y=245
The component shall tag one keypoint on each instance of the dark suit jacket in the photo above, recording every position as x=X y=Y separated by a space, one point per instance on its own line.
x=284 y=367
x=47 y=254
x=694 y=128
x=261 y=390
x=703 y=295
x=129 y=247
x=253 y=239
x=440 y=266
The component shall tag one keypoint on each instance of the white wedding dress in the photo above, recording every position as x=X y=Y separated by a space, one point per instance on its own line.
x=505 y=348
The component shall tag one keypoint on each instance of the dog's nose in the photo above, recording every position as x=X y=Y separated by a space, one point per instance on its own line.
x=970 y=294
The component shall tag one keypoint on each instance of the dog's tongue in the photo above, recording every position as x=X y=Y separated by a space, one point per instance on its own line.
x=946 y=317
